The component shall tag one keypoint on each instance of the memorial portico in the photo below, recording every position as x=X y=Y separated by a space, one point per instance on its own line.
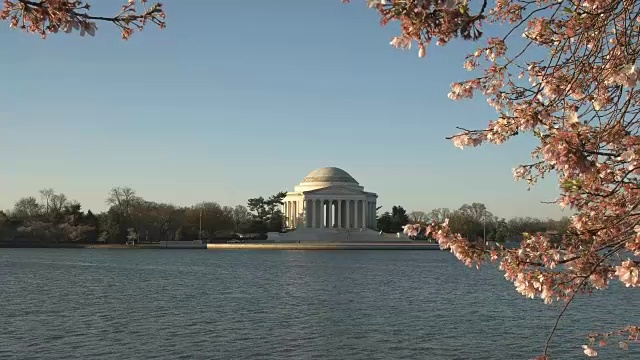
x=330 y=198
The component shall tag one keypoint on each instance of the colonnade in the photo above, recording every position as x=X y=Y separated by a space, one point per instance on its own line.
x=330 y=213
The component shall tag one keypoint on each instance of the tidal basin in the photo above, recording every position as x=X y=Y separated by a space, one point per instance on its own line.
x=170 y=304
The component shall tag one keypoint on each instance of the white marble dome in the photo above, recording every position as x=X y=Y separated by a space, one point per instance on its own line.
x=327 y=176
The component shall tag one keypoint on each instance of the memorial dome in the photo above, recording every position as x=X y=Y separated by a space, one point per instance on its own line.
x=329 y=175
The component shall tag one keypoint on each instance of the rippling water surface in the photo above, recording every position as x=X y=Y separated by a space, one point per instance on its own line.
x=186 y=304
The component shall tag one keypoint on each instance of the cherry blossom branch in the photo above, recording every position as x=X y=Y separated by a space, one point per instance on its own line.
x=555 y=325
x=587 y=350
x=50 y=16
x=573 y=86
x=632 y=332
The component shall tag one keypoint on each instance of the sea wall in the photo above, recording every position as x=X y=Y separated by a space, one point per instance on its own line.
x=196 y=244
x=327 y=246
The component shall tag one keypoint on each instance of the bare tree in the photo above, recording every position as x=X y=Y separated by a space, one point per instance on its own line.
x=241 y=216
x=27 y=207
x=439 y=215
x=57 y=203
x=122 y=199
x=45 y=195
x=418 y=216
x=476 y=211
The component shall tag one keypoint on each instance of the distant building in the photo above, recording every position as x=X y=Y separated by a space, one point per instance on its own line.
x=330 y=198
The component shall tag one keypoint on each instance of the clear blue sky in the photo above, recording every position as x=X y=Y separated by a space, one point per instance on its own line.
x=235 y=101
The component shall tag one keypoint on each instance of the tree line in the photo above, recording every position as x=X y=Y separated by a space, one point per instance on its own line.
x=53 y=218
x=472 y=221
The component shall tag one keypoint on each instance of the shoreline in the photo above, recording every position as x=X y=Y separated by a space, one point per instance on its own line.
x=327 y=246
x=241 y=246
x=75 y=246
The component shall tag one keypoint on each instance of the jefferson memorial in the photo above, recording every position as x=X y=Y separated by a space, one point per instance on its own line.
x=330 y=198
x=329 y=206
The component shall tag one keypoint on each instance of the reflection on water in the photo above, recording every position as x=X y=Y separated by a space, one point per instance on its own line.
x=76 y=303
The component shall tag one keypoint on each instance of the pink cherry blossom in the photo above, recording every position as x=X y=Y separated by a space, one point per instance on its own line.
x=571 y=85
x=45 y=17
x=411 y=229
x=629 y=273
x=589 y=351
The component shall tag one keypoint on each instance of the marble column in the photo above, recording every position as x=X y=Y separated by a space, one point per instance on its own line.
x=285 y=208
x=373 y=215
x=312 y=219
x=375 y=210
x=356 y=212
x=348 y=217
x=315 y=213
x=324 y=214
x=368 y=205
x=329 y=213
x=339 y=202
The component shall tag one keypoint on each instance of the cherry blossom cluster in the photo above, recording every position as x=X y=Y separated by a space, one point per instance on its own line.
x=626 y=335
x=565 y=73
x=52 y=16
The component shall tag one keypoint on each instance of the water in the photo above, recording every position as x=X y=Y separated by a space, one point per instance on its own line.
x=179 y=304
